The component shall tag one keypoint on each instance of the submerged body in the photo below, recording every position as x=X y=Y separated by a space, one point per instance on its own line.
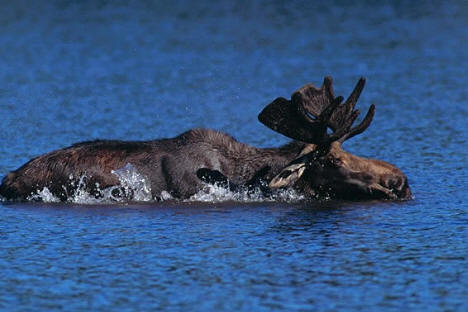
x=313 y=164
x=167 y=165
x=173 y=166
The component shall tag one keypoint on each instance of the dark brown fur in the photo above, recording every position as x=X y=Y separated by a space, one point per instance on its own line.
x=168 y=164
x=179 y=165
x=341 y=174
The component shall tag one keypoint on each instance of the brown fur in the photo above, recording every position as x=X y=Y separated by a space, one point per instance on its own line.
x=168 y=164
x=350 y=176
x=179 y=165
x=171 y=165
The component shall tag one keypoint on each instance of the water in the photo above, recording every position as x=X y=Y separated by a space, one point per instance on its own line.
x=141 y=70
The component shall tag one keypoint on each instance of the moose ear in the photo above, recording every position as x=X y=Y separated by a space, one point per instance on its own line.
x=288 y=176
x=281 y=116
x=277 y=115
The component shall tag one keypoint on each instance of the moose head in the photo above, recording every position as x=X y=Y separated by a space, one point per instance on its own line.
x=324 y=122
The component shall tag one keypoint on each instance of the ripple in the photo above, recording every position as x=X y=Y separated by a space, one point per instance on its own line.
x=80 y=71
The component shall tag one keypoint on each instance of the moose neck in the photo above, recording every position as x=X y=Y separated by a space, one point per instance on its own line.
x=277 y=158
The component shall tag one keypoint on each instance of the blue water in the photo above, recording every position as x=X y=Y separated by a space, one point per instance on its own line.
x=141 y=70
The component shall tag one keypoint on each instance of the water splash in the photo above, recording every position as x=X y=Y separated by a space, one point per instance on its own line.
x=81 y=195
x=44 y=195
x=215 y=193
x=134 y=187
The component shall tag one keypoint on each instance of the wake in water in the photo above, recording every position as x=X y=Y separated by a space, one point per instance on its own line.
x=134 y=187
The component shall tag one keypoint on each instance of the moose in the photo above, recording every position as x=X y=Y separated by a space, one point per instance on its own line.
x=313 y=163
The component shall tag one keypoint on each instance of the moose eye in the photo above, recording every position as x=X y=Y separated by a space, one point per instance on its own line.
x=334 y=162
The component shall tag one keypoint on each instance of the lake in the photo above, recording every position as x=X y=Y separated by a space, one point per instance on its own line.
x=140 y=70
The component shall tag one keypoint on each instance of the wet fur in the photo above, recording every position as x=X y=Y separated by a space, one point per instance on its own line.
x=180 y=165
x=167 y=164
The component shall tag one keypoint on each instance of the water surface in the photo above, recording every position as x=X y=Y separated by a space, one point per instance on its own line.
x=80 y=71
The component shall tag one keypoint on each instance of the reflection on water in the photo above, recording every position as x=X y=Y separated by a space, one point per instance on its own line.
x=79 y=71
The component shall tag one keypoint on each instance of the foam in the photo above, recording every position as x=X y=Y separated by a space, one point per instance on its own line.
x=134 y=187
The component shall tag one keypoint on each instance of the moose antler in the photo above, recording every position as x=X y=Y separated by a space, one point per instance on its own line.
x=311 y=111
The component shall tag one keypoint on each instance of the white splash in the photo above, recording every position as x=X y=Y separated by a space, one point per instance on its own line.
x=133 y=184
x=165 y=196
x=81 y=195
x=215 y=193
x=44 y=195
x=133 y=187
